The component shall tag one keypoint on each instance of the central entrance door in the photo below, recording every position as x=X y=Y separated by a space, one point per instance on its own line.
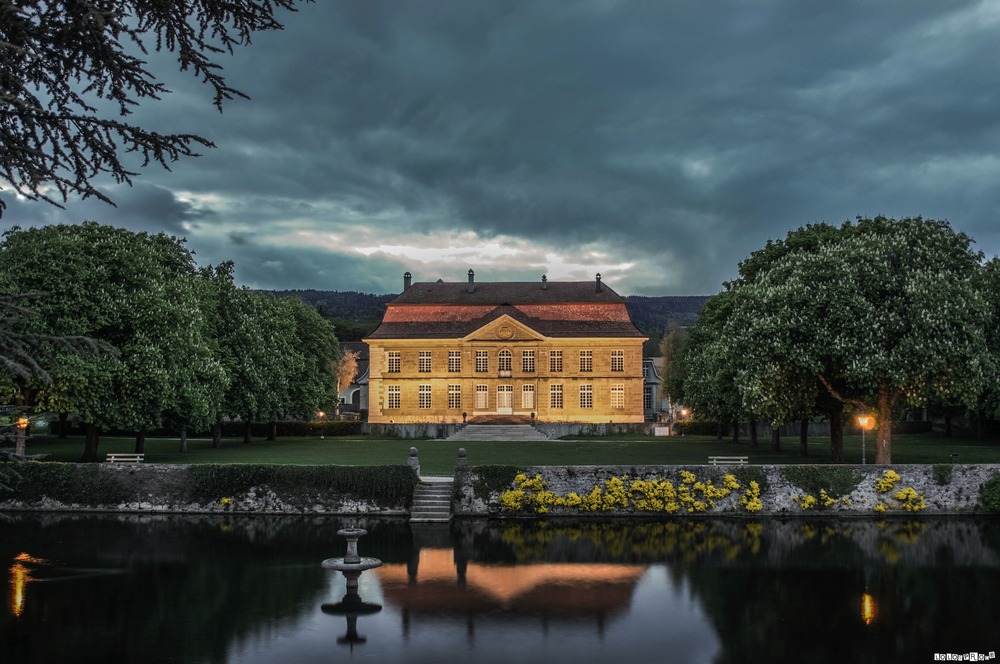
x=505 y=399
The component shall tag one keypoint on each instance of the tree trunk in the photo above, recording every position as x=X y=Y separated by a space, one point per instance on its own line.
x=184 y=440
x=883 y=442
x=736 y=432
x=775 y=438
x=217 y=435
x=980 y=421
x=63 y=425
x=753 y=433
x=837 y=433
x=20 y=441
x=90 y=444
x=272 y=430
x=140 y=442
x=947 y=424
x=246 y=432
x=804 y=438
x=719 y=433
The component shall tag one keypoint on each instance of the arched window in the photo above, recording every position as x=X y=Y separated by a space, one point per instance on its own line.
x=504 y=360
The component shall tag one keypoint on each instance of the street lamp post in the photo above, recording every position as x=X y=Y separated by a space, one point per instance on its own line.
x=864 y=421
x=22 y=425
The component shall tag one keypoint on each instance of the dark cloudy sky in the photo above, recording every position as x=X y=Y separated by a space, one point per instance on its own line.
x=655 y=141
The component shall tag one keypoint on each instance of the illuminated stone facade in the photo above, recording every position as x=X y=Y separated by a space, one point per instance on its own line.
x=562 y=351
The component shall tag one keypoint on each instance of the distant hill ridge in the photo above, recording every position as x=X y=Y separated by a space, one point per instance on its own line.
x=648 y=313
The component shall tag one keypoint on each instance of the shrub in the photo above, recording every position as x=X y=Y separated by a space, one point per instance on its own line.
x=492 y=479
x=942 y=473
x=989 y=494
x=834 y=480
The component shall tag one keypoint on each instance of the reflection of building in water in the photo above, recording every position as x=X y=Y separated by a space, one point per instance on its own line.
x=438 y=583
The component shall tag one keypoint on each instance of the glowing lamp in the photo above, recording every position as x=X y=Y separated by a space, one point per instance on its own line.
x=867 y=608
x=22 y=423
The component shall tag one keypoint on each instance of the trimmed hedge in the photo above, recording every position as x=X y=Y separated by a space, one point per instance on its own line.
x=699 y=427
x=297 y=428
x=95 y=485
x=386 y=485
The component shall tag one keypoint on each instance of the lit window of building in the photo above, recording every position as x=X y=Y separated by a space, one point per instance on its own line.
x=555 y=361
x=617 y=395
x=555 y=396
x=527 y=396
x=392 y=362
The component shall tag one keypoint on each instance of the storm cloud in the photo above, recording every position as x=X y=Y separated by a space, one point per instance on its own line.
x=656 y=143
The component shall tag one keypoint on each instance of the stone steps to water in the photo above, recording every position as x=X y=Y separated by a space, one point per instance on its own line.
x=498 y=432
x=432 y=501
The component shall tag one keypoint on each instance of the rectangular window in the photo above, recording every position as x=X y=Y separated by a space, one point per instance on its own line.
x=454 y=396
x=454 y=361
x=618 y=395
x=482 y=360
x=586 y=360
x=618 y=360
x=424 y=361
x=482 y=397
x=555 y=396
x=647 y=398
x=555 y=361
x=527 y=396
x=392 y=362
x=392 y=399
x=528 y=361
x=586 y=396
x=424 y=396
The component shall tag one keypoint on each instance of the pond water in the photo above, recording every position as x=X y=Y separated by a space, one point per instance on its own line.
x=192 y=589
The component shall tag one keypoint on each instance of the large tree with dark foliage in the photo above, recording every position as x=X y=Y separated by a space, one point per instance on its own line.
x=72 y=70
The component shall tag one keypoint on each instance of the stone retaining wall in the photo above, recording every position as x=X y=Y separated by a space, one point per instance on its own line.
x=936 y=489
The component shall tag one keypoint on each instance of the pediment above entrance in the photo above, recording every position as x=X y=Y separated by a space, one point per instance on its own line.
x=504 y=328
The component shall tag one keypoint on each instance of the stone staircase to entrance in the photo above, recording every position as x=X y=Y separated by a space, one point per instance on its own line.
x=498 y=432
x=432 y=500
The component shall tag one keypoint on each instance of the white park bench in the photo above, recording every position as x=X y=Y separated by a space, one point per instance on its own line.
x=724 y=460
x=129 y=457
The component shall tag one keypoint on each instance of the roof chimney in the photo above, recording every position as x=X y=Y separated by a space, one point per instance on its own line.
x=598 y=284
x=472 y=281
x=407 y=277
x=545 y=282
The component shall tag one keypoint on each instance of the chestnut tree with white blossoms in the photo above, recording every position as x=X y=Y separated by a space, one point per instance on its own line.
x=882 y=312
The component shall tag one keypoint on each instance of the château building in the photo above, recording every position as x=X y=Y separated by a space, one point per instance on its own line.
x=556 y=351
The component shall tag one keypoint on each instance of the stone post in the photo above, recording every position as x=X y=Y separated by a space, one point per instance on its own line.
x=413 y=462
x=462 y=462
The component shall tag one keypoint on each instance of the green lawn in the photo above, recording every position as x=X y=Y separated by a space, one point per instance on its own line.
x=438 y=456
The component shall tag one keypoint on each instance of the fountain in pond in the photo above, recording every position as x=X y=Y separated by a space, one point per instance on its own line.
x=351 y=566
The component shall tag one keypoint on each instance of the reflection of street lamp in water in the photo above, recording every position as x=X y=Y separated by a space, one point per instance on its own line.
x=865 y=422
x=867 y=608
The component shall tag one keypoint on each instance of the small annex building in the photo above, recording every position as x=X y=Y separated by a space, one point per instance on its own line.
x=556 y=351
